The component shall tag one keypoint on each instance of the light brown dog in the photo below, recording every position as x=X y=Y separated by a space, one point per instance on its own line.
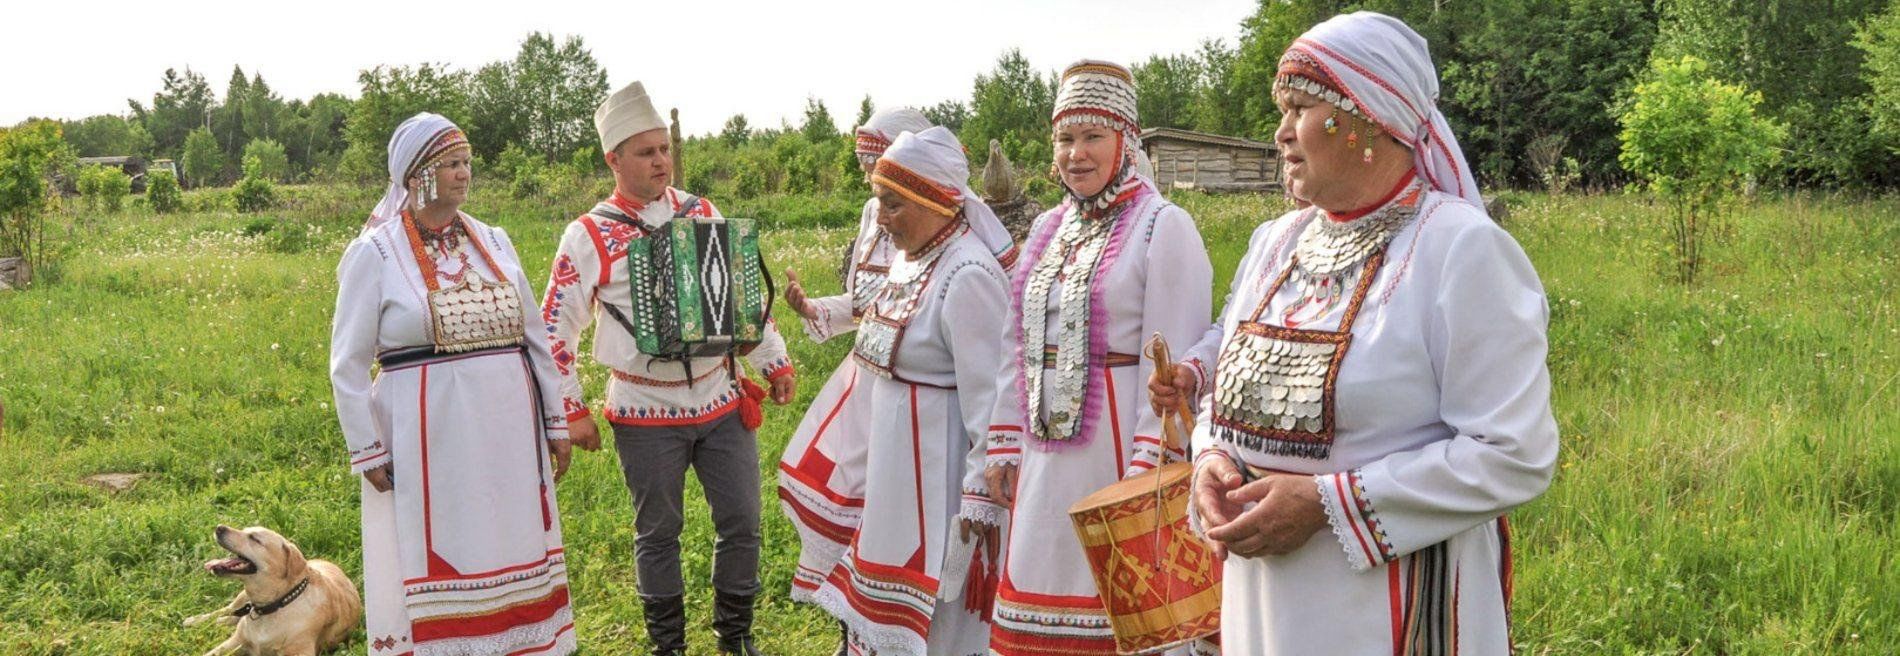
x=289 y=606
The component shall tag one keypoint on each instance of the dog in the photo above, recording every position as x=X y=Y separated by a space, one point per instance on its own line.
x=289 y=606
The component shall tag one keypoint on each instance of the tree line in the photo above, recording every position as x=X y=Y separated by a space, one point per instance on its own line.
x=1533 y=87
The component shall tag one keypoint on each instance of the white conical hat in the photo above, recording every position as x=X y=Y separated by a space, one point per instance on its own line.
x=626 y=113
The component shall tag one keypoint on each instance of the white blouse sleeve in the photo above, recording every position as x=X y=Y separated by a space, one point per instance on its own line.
x=1486 y=339
x=353 y=342
x=978 y=346
x=1177 y=297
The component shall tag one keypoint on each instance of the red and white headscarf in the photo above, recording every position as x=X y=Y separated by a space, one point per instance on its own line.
x=1382 y=71
x=876 y=135
x=930 y=169
x=418 y=144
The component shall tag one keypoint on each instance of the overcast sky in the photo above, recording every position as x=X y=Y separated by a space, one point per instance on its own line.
x=709 y=58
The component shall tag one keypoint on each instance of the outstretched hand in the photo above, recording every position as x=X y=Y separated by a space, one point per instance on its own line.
x=795 y=297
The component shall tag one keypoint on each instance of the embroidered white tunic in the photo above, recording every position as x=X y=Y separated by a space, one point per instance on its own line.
x=587 y=271
x=1441 y=424
x=1160 y=280
x=929 y=394
x=821 y=473
x=464 y=556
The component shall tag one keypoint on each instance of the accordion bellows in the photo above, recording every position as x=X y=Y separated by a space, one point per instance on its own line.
x=698 y=288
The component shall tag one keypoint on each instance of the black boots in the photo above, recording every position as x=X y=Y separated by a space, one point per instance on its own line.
x=732 y=621
x=666 y=624
x=844 y=639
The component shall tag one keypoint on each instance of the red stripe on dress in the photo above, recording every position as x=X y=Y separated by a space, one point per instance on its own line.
x=1115 y=420
x=492 y=623
x=487 y=574
x=834 y=532
x=817 y=486
x=1351 y=512
x=1398 y=610
x=811 y=451
x=917 y=467
x=1008 y=429
x=422 y=414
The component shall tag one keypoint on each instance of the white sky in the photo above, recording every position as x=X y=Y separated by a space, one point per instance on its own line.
x=709 y=58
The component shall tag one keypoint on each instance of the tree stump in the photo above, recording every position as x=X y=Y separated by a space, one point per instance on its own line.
x=12 y=273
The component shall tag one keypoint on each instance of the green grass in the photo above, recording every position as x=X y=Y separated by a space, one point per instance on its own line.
x=1730 y=481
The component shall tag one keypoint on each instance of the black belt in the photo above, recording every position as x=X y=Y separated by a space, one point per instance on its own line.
x=418 y=355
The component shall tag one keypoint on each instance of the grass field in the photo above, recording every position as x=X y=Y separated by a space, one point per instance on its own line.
x=1730 y=482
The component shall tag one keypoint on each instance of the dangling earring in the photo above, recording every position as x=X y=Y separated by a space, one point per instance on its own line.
x=1367 y=155
x=428 y=184
x=1352 y=138
x=1332 y=122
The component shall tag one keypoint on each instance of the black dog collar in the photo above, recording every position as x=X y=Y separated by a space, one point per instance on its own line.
x=261 y=610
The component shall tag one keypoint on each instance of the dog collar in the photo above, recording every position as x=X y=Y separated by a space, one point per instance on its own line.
x=261 y=610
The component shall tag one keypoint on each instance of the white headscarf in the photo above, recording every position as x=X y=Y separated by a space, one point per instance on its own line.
x=1386 y=69
x=418 y=140
x=937 y=157
x=876 y=135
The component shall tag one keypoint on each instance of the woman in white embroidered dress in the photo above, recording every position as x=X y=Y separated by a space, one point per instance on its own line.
x=821 y=474
x=928 y=372
x=461 y=539
x=1380 y=369
x=1110 y=266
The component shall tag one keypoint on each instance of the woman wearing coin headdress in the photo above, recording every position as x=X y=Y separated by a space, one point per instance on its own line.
x=453 y=436
x=1113 y=264
x=1379 y=371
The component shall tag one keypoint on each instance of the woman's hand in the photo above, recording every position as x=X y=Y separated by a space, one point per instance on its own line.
x=1001 y=481
x=563 y=453
x=1214 y=478
x=795 y=297
x=1166 y=392
x=988 y=537
x=383 y=478
x=1287 y=512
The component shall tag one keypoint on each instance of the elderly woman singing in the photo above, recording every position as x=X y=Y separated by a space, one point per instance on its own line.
x=461 y=540
x=1379 y=370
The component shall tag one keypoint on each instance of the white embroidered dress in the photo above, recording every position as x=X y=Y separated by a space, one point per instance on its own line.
x=464 y=556
x=1439 y=423
x=1154 y=276
x=821 y=473
x=926 y=361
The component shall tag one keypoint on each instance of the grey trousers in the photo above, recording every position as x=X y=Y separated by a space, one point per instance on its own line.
x=725 y=456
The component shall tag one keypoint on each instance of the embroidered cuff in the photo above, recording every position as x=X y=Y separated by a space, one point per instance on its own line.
x=1005 y=447
x=980 y=509
x=819 y=328
x=369 y=459
x=779 y=368
x=1200 y=379
x=576 y=409
x=1353 y=520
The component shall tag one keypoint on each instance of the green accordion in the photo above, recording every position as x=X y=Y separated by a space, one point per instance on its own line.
x=699 y=288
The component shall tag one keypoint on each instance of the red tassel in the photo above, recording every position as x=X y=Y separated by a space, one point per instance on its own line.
x=979 y=586
x=751 y=413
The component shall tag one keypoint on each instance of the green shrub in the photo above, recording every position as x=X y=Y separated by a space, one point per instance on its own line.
x=104 y=188
x=1695 y=140
x=161 y=192
x=269 y=160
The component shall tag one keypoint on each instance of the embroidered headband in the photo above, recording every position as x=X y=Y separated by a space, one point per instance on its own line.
x=935 y=197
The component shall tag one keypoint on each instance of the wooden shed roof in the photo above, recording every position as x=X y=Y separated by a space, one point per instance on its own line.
x=1203 y=137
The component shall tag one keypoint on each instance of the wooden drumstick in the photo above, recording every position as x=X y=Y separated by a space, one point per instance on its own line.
x=1158 y=352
